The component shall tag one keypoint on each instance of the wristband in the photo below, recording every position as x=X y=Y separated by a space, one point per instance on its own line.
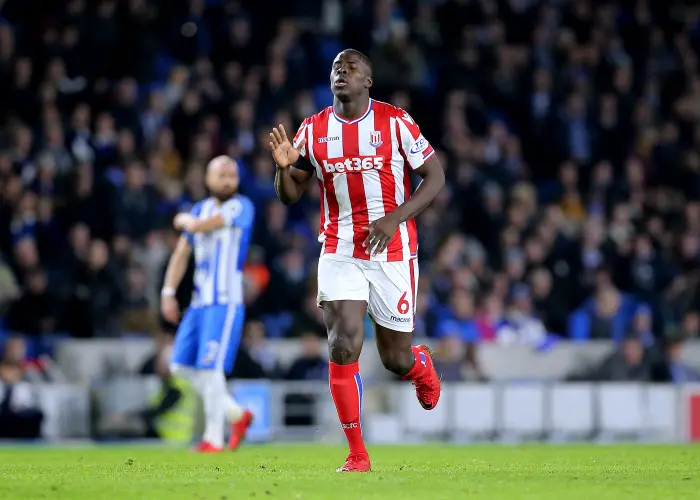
x=167 y=291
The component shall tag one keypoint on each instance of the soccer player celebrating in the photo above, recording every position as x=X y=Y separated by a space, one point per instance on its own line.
x=361 y=151
x=219 y=229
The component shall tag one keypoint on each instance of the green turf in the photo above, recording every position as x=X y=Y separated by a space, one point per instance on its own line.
x=307 y=472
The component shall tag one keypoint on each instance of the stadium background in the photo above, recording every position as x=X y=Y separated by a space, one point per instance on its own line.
x=559 y=267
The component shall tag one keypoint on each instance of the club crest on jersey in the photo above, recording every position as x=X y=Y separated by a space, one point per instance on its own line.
x=375 y=138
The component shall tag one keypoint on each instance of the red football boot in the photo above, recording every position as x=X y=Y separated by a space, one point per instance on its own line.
x=207 y=447
x=239 y=430
x=356 y=463
x=428 y=386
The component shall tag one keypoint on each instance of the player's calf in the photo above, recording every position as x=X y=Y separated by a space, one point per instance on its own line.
x=399 y=360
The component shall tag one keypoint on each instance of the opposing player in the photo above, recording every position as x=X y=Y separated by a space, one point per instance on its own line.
x=219 y=229
x=361 y=151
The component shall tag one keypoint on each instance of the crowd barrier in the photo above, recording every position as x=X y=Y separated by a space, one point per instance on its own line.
x=508 y=411
x=90 y=360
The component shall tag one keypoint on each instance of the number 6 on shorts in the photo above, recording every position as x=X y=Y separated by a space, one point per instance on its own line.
x=403 y=306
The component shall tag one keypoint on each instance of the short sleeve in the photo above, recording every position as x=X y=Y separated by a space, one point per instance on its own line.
x=238 y=211
x=196 y=210
x=301 y=133
x=414 y=146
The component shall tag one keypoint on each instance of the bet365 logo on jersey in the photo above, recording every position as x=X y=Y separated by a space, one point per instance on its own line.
x=356 y=164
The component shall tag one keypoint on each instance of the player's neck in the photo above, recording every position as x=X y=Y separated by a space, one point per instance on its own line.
x=351 y=110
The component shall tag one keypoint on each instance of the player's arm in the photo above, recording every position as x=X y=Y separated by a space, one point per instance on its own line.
x=191 y=224
x=422 y=159
x=294 y=171
x=177 y=266
x=232 y=213
x=433 y=179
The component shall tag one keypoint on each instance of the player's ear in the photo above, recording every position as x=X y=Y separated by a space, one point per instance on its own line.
x=368 y=82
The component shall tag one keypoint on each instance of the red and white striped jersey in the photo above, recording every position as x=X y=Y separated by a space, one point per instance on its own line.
x=362 y=168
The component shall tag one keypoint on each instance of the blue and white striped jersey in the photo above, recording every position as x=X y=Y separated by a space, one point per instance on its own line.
x=220 y=254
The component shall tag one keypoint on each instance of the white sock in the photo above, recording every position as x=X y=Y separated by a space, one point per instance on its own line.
x=188 y=373
x=232 y=409
x=214 y=409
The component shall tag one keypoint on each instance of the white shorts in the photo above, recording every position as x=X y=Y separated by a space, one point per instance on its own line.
x=389 y=288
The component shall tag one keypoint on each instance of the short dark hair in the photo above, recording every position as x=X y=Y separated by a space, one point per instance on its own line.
x=362 y=56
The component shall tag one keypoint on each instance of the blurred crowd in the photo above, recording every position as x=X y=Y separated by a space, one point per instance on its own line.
x=569 y=131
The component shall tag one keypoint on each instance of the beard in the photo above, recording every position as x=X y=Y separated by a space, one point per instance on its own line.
x=224 y=195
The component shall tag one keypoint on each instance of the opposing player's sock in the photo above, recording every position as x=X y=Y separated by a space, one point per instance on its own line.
x=424 y=377
x=214 y=411
x=234 y=411
x=346 y=390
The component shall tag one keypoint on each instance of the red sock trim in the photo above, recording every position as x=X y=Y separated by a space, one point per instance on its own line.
x=343 y=371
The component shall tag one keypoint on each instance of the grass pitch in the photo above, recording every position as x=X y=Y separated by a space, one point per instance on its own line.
x=307 y=472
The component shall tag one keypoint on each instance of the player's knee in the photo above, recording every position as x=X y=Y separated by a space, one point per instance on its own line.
x=345 y=338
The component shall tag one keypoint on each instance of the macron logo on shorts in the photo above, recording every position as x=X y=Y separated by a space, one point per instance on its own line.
x=400 y=320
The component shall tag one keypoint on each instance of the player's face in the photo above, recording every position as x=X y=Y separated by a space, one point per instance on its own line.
x=223 y=181
x=349 y=75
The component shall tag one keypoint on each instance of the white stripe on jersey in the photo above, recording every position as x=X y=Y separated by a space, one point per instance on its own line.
x=398 y=168
x=217 y=278
x=371 y=178
x=345 y=227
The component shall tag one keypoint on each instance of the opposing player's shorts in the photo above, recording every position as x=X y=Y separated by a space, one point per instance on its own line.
x=208 y=337
x=389 y=288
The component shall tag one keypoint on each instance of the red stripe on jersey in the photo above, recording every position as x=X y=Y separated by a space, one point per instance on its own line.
x=322 y=195
x=411 y=223
x=356 y=191
x=382 y=123
x=411 y=263
x=411 y=227
x=321 y=151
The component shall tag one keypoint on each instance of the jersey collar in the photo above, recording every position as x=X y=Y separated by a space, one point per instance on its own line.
x=356 y=120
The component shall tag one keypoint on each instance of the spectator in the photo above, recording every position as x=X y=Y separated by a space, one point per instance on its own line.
x=20 y=418
x=255 y=360
x=672 y=368
x=520 y=325
x=458 y=319
x=308 y=320
x=627 y=364
x=37 y=310
x=310 y=365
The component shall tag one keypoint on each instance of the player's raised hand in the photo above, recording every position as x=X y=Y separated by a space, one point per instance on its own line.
x=283 y=152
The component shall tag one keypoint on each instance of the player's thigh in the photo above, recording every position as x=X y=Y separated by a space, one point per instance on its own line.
x=186 y=343
x=392 y=294
x=343 y=294
x=220 y=335
x=341 y=278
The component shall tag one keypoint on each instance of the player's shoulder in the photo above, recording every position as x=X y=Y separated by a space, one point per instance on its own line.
x=384 y=108
x=321 y=116
x=239 y=205
x=245 y=202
